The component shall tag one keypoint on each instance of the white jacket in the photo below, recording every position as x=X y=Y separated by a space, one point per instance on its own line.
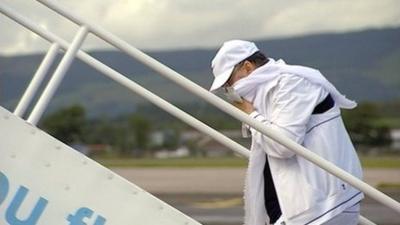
x=307 y=194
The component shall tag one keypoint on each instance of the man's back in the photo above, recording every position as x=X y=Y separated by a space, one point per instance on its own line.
x=307 y=193
x=301 y=104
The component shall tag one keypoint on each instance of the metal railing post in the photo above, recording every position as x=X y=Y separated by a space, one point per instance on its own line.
x=58 y=75
x=226 y=107
x=114 y=75
x=364 y=221
x=36 y=80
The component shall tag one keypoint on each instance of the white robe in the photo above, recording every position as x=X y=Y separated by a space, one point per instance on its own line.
x=284 y=97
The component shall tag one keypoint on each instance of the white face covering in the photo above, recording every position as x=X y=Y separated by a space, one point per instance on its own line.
x=232 y=95
x=247 y=87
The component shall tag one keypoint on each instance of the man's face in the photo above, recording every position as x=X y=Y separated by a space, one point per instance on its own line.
x=240 y=71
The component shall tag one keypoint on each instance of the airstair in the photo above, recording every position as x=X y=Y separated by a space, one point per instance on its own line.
x=43 y=181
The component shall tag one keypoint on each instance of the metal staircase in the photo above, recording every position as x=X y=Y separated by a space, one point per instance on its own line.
x=65 y=180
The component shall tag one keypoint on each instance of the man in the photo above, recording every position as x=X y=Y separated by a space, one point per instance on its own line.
x=281 y=187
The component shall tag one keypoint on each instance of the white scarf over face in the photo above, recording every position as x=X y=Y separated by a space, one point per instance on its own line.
x=247 y=86
x=255 y=213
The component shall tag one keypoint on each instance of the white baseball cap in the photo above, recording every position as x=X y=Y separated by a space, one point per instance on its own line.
x=228 y=56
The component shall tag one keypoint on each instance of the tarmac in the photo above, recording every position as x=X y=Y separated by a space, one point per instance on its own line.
x=213 y=196
x=216 y=180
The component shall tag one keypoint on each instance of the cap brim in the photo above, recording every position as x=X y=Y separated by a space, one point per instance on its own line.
x=221 y=80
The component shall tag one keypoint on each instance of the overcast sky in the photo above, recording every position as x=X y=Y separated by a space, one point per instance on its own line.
x=166 y=24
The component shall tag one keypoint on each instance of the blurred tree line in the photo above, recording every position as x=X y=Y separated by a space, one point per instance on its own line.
x=127 y=135
x=369 y=125
x=366 y=127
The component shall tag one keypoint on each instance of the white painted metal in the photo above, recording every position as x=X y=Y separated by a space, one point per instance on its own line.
x=365 y=221
x=127 y=83
x=58 y=75
x=57 y=185
x=36 y=80
x=173 y=110
x=224 y=106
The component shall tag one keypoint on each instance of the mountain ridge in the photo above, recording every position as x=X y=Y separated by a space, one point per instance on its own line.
x=364 y=65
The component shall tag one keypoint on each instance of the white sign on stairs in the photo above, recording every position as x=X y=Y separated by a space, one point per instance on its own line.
x=45 y=182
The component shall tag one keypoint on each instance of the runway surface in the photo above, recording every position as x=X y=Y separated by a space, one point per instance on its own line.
x=213 y=196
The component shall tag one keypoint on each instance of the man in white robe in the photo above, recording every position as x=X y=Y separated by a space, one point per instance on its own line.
x=281 y=187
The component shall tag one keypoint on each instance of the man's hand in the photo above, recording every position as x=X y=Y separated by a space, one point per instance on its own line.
x=245 y=106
